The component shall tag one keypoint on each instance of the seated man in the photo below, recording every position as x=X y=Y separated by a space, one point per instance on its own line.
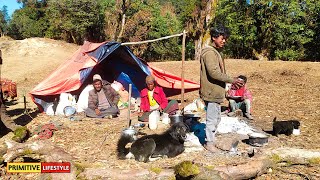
x=153 y=98
x=103 y=99
x=240 y=97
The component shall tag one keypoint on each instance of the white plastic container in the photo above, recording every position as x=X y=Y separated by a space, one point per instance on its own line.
x=154 y=117
x=165 y=118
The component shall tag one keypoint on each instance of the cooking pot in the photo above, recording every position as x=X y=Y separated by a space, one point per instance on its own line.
x=69 y=110
x=175 y=118
x=257 y=139
x=129 y=131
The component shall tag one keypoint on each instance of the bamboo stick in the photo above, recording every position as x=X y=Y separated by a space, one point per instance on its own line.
x=182 y=67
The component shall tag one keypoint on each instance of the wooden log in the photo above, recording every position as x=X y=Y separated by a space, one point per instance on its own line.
x=294 y=155
x=248 y=170
x=104 y=173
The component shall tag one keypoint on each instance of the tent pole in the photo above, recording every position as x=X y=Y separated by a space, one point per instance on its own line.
x=182 y=68
x=129 y=104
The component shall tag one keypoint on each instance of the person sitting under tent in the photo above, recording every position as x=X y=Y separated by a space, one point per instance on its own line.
x=240 y=98
x=102 y=100
x=154 y=98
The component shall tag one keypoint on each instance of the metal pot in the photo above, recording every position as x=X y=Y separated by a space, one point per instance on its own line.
x=257 y=139
x=129 y=131
x=175 y=118
x=69 y=110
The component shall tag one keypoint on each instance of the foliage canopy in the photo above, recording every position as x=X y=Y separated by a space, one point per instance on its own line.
x=261 y=29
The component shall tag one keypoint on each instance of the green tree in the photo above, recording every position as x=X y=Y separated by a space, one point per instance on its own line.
x=267 y=29
x=196 y=17
x=4 y=18
x=164 y=23
x=75 y=20
x=136 y=20
x=237 y=16
x=312 y=9
x=28 y=21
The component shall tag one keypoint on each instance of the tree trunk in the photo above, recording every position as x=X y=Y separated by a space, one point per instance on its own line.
x=123 y=22
x=262 y=56
x=198 y=48
x=205 y=20
x=73 y=38
x=210 y=11
x=246 y=171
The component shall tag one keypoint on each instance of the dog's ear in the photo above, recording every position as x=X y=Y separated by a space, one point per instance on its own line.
x=296 y=124
x=174 y=133
x=274 y=119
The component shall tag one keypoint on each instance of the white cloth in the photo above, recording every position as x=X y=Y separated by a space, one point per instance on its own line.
x=66 y=99
x=82 y=103
x=232 y=124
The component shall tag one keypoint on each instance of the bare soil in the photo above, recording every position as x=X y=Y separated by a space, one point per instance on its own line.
x=286 y=90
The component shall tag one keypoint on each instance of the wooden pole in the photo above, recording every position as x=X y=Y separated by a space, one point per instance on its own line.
x=0 y=57
x=182 y=67
x=129 y=104
x=25 y=103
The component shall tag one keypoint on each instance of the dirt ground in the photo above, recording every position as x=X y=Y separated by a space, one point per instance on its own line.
x=286 y=90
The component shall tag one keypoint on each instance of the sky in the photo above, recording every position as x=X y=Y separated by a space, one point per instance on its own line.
x=11 y=5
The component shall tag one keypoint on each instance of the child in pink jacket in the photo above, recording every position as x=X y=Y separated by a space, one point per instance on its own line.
x=240 y=97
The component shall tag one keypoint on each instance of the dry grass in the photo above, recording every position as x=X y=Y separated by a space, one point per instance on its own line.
x=287 y=90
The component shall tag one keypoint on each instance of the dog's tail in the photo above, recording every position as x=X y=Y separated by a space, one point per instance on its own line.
x=121 y=146
x=274 y=119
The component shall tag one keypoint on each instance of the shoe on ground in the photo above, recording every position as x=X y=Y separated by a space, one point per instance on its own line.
x=212 y=148
x=248 y=115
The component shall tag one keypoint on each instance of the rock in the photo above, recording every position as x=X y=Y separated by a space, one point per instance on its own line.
x=20 y=134
x=211 y=174
x=226 y=141
x=186 y=169
x=3 y=148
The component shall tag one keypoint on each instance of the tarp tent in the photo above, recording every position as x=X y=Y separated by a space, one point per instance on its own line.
x=113 y=62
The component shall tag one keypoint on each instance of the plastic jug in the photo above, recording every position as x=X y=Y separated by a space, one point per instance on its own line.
x=165 y=118
x=154 y=117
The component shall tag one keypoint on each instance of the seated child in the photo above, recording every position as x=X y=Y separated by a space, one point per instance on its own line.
x=240 y=98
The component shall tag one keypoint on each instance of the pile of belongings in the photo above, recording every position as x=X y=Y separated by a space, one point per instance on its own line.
x=68 y=105
x=9 y=88
x=45 y=131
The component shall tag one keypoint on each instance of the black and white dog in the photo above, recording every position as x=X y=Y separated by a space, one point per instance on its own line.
x=151 y=147
x=284 y=127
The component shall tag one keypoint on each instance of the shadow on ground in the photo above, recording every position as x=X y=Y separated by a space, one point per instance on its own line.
x=26 y=116
x=23 y=118
x=11 y=102
x=3 y=130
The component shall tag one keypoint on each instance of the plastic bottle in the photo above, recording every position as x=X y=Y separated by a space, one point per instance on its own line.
x=165 y=118
x=154 y=117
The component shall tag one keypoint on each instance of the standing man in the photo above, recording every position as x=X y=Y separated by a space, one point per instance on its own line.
x=213 y=79
x=103 y=99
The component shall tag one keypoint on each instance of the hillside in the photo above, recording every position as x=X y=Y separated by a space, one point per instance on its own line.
x=287 y=90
